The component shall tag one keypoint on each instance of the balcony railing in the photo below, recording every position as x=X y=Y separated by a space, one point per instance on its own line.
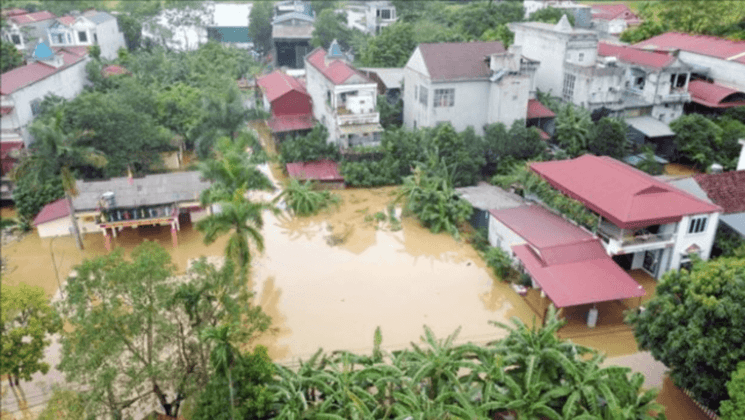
x=679 y=96
x=646 y=238
x=350 y=119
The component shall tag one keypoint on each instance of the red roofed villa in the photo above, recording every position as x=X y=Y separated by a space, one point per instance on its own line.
x=644 y=223
x=344 y=100
x=289 y=103
x=614 y=18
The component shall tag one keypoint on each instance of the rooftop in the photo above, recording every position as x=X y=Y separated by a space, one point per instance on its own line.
x=285 y=123
x=97 y=16
x=21 y=77
x=337 y=71
x=52 y=211
x=714 y=95
x=614 y=11
x=726 y=189
x=149 y=190
x=322 y=170
x=391 y=77
x=627 y=197
x=698 y=44
x=6 y=159
x=231 y=14
x=29 y=18
x=540 y=227
x=281 y=31
x=276 y=84
x=635 y=56
x=537 y=110
x=459 y=60
x=489 y=197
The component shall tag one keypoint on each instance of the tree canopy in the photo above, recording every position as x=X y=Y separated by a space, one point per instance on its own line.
x=26 y=321
x=693 y=325
x=136 y=333
x=330 y=26
x=734 y=407
x=260 y=26
x=10 y=57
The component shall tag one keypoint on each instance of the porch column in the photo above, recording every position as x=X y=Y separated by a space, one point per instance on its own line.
x=174 y=235
x=113 y=231
x=107 y=240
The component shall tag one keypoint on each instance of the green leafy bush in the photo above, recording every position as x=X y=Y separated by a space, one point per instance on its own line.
x=369 y=173
x=31 y=195
x=308 y=148
x=303 y=200
x=734 y=407
x=499 y=261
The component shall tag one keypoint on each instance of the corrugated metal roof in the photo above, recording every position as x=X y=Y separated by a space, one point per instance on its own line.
x=32 y=17
x=392 y=77
x=301 y=32
x=537 y=110
x=21 y=77
x=626 y=196
x=650 y=127
x=489 y=197
x=713 y=94
x=52 y=211
x=698 y=44
x=276 y=84
x=98 y=17
x=614 y=11
x=322 y=170
x=635 y=56
x=540 y=227
x=337 y=71
x=285 y=123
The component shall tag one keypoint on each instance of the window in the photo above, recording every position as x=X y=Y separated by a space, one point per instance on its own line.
x=423 y=95
x=95 y=38
x=59 y=39
x=568 y=92
x=82 y=36
x=35 y=107
x=639 y=83
x=698 y=225
x=385 y=14
x=581 y=56
x=415 y=92
x=444 y=98
x=16 y=39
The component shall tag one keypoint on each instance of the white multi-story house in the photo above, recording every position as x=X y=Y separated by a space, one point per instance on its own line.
x=87 y=29
x=344 y=100
x=532 y=6
x=378 y=15
x=644 y=222
x=612 y=19
x=466 y=84
x=24 y=29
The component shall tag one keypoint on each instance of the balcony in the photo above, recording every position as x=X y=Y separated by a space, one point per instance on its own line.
x=676 y=96
x=646 y=238
x=353 y=119
x=621 y=241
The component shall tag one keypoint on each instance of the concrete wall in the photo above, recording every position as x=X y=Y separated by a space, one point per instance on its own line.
x=730 y=73
x=415 y=74
x=62 y=226
x=704 y=240
x=67 y=83
x=508 y=100
x=502 y=236
x=110 y=39
x=548 y=48
x=318 y=86
x=107 y=36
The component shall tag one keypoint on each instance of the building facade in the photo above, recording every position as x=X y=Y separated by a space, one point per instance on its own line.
x=344 y=100
x=291 y=34
x=88 y=29
x=378 y=15
x=466 y=84
x=288 y=102
x=25 y=29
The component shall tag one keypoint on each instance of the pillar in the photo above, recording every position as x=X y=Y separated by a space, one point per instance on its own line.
x=107 y=240
x=174 y=235
x=113 y=231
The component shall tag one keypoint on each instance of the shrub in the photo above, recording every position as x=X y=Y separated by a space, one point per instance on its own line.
x=369 y=173
x=308 y=148
x=499 y=261
x=31 y=195
x=302 y=200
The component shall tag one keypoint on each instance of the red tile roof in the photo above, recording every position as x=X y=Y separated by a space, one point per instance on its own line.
x=537 y=110
x=14 y=12
x=66 y=20
x=113 y=69
x=726 y=189
x=713 y=94
x=627 y=197
x=544 y=135
x=698 y=44
x=285 y=123
x=323 y=170
x=590 y=278
x=6 y=110
x=635 y=56
x=459 y=60
x=336 y=71
x=614 y=11
x=32 y=17
x=6 y=161
x=52 y=211
x=540 y=227
x=31 y=73
x=276 y=84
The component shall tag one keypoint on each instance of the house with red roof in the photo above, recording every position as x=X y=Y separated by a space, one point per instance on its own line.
x=289 y=103
x=92 y=27
x=344 y=100
x=24 y=29
x=613 y=19
x=59 y=71
x=564 y=261
x=467 y=84
x=717 y=60
x=644 y=223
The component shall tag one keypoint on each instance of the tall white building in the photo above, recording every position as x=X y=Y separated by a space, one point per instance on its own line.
x=87 y=29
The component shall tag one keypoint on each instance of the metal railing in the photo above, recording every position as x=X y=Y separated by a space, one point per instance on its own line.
x=646 y=238
x=350 y=119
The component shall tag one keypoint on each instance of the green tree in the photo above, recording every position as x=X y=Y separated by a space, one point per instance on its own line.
x=463 y=152
x=223 y=115
x=260 y=26
x=244 y=219
x=550 y=15
x=608 y=138
x=573 y=129
x=141 y=339
x=32 y=192
x=734 y=407
x=27 y=320
x=311 y=147
x=500 y=33
x=729 y=152
x=392 y=47
x=475 y=18
x=320 y=6
x=390 y=114
x=692 y=325
x=252 y=375
x=131 y=27
x=330 y=26
x=697 y=138
x=10 y=57
x=178 y=109
x=302 y=200
x=64 y=404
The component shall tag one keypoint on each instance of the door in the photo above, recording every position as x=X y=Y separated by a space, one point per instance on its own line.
x=652 y=261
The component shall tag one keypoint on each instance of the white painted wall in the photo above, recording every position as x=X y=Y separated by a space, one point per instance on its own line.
x=506 y=237
x=547 y=47
x=62 y=226
x=67 y=83
x=415 y=74
x=741 y=161
x=317 y=85
x=730 y=73
x=110 y=39
x=704 y=240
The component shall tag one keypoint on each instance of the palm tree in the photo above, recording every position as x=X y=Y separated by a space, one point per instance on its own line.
x=244 y=219
x=56 y=152
x=573 y=129
x=224 y=354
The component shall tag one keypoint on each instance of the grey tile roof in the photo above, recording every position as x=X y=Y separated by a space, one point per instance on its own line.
x=150 y=190
x=489 y=197
x=99 y=17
